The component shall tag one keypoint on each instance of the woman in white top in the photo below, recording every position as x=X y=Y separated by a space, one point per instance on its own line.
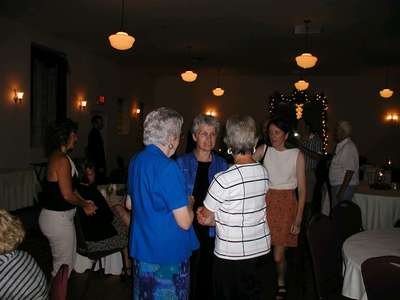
x=286 y=172
x=235 y=202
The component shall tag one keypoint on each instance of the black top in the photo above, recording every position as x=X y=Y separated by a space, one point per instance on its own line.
x=199 y=193
x=53 y=199
x=98 y=226
x=95 y=149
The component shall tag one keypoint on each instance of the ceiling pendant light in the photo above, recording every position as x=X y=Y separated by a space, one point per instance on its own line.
x=301 y=85
x=306 y=60
x=121 y=40
x=218 y=91
x=386 y=93
x=189 y=75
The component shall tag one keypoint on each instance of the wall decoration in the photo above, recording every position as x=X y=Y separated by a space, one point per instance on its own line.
x=314 y=108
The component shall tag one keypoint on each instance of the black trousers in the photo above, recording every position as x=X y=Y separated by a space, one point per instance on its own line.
x=244 y=279
x=201 y=270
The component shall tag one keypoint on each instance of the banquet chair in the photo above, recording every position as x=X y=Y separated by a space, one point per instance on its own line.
x=325 y=251
x=59 y=284
x=95 y=256
x=346 y=216
x=381 y=276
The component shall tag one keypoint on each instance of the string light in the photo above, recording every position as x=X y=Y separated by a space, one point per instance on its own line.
x=301 y=98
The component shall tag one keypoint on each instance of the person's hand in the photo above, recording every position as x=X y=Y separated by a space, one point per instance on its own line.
x=204 y=217
x=295 y=228
x=89 y=208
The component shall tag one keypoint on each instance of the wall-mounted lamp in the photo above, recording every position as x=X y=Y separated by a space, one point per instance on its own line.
x=211 y=113
x=101 y=100
x=18 y=95
x=392 y=117
x=82 y=104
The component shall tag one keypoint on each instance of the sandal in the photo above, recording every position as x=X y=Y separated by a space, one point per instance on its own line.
x=281 y=292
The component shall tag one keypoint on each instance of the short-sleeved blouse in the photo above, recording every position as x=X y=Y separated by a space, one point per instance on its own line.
x=156 y=187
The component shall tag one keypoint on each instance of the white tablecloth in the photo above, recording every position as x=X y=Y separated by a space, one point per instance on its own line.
x=377 y=211
x=112 y=264
x=360 y=247
x=380 y=209
x=18 y=188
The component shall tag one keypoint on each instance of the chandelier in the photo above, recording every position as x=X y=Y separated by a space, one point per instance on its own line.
x=121 y=40
x=306 y=60
x=301 y=85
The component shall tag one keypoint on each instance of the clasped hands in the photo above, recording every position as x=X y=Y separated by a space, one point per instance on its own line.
x=89 y=207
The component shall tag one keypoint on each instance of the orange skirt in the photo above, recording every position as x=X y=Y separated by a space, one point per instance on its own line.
x=281 y=214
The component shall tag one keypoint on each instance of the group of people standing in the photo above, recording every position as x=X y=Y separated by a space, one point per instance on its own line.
x=204 y=230
x=200 y=229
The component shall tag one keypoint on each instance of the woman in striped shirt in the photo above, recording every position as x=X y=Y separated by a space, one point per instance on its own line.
x=235 y=204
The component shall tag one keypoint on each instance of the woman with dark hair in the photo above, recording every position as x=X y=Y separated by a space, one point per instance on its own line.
x=56 y=219
x=286 y=172
x=104 y=230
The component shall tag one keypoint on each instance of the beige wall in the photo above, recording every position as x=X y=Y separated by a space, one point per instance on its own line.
x=90 y=76
x=350 y=97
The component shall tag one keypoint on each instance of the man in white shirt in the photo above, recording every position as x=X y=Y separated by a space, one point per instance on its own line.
x=343 y=172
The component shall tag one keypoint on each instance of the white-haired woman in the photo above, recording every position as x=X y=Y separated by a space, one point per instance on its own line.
x=235 y=202
x=199 y=168
x=162 y=237
x=20 y=275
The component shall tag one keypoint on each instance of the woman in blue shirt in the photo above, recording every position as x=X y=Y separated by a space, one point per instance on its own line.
x=199 y=168
x=162 y=237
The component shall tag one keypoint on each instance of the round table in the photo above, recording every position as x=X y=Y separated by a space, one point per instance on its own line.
x=360 y=247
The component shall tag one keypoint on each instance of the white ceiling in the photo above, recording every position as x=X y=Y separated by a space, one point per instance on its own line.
x=253 y=36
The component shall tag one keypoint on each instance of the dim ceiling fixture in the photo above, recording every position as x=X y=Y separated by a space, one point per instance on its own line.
x=218 y=91
x=189 y=75
x=306 y=60
x=301 y=85
x=121 y=40
x=386 y=92
x=18 y=95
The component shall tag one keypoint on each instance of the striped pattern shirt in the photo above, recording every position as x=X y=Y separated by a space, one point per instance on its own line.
x=237 y=197
x=314 y=144
x=21 y=277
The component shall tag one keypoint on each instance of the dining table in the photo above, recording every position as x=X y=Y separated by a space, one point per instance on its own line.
x=358 y=248
x=380 y=209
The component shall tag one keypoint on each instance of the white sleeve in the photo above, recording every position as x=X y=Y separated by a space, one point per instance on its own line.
x=216 y=195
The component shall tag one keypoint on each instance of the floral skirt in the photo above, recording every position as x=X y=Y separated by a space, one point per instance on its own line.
x=281 y=214
x=159 y=282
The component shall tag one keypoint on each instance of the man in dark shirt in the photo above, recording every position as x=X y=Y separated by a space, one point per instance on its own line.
x=95 y=149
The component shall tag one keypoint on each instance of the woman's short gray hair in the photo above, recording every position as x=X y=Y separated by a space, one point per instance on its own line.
x=241 y=134
x=205 y=119
x=160 y=124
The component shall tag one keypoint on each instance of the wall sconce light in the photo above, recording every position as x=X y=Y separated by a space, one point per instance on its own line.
x=392 y=117
x=82 y=104
x=18 y=95
x=211 y=113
